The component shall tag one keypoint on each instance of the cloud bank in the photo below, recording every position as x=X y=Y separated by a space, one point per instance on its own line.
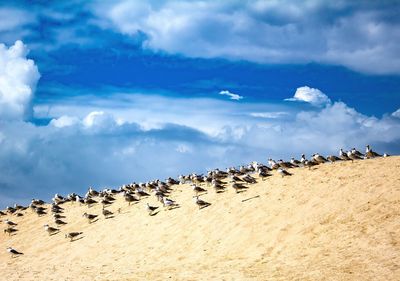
x=18 y=79
x=363 y=36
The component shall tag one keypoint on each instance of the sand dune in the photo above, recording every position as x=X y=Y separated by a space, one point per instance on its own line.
x=334 y=222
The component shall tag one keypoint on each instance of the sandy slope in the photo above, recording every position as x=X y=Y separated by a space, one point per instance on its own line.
x=336 y=222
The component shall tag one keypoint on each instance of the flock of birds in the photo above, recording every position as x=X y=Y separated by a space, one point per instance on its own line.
x=239 y=179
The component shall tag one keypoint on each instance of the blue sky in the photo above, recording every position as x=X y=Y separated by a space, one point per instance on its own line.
x=107 y=92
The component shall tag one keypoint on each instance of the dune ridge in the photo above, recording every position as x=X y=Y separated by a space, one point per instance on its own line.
x=331 y=222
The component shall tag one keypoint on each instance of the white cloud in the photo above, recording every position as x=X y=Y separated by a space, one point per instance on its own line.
x=86 y=145
x=396 y=113
x=18 y=78
x=358 y=36
x=232 y=96
x=269 y=115
x=310 y=95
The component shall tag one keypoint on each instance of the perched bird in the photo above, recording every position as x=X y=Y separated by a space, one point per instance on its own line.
x=249 y=179
x=13 y=252
x=7 y=221
x=107 y=213
x=283 y=172
x=10 y=230
x=169 y=203
x=217 y=187
x=51 y=230
x=295 y=162
x=343 y=155
x=130 y=198
x=353 y=156
x=356 y=152
x=90 y=217
x=202 y=204
x=151 y=209
x=385 y=155
x=58 y=216
x=333 y=158
x=89 y=202
x=369 y=153
x=72 y=235
x=262 y=174
x=197 y=189
x=238 y=187
x=319 y=158
x=59 y=222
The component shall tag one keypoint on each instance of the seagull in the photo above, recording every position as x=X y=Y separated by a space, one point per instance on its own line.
x=333 y=158
x=89 y=217
x=238 y=187
x=58 y=216
x=283 y=172
x=13 y=252
x=353 y=156
x=262 y=174
x=51 y=230
x=198 y=189
x=72 y=235
x=218 y=187
x=356 y=152
x=202 y=204
x=59 y=222
x=107 y=213
x=169 y=203
x=7 y=221
x=89 y=201
x=151 y=209
x=130 y=198
x=249 y=179
x=385 y=155
x=343 y=155
x=10 y=230
x=273 y=164
x=319 y=158
x=369 y=153
x=295 y=162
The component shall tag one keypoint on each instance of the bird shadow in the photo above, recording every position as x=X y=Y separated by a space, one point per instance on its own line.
x=55 y=233
x=154 y=213
x=109 y=217
x=205 y=206
x=93 y=221
x=77 y=239
x=174 y=207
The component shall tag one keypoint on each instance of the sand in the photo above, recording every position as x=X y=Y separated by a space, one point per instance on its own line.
x=334 y=222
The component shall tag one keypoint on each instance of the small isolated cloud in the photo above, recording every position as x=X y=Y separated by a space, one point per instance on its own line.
x=64 y=121
x=310 y=95
x=396 y=113
x=18 y=78
x=269 y=115
x=232 y=96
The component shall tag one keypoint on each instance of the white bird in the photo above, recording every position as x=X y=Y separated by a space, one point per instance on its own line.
x=319 y=158
x=13 y=252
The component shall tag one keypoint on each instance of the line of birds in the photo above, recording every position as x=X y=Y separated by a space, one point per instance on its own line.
x=239 y=179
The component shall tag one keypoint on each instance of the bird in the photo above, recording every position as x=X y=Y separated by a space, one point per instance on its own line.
x=7 y=221
x=201 y=203
x=283 y=172
x=59 y=222
x=10 y=230
x=51 y=230
x=217 y=187
x=295 y=162
x=369 y=153
x=333 y=158
x=343 y=155
x=151 y=209
x=169 y=203
x=385 y=155
x=238 y=187
x=72 y=235
x=90 y=217
x=249 y=179
x=263 y=174
x=58 y=216
x=89 y=202
x=107 y=213
x=353 y=156
x=319 y=158
x=197 y=189
x=130 y=198
x=356 y=152
x=13 y=252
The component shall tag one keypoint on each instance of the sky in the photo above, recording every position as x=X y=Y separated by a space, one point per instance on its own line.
x=103 y=93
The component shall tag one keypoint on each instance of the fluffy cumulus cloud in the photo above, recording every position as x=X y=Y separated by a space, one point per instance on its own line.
x=232 y=96
x=18 y=78
x=362 y=36
x=310 y=95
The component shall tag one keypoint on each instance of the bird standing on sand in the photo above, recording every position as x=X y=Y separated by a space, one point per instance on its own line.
x=72 y=235
x=333 y=158
x=283 y=172
x=169 y=203
x=90 y=217
x=10 y=230
x=51 y=230
x=151 y=209
x=238 y=187
x=59 y=222
x=353 y=156
x=7 y=221
x=13 y=252
x=371 y=154
x=107 y=213
x=197 y=189
x=201 y=203
x=343 y=155
x=319 y=158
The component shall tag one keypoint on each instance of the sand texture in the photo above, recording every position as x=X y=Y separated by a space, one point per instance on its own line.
x=336 y=221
